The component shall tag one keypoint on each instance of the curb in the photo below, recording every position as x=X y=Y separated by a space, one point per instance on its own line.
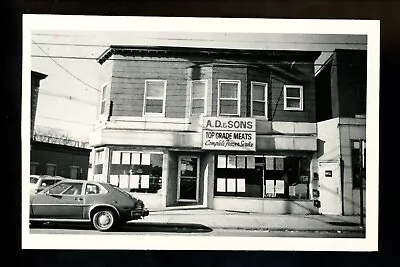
x=289 y=230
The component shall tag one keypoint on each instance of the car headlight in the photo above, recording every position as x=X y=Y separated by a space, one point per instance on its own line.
x=140 y=204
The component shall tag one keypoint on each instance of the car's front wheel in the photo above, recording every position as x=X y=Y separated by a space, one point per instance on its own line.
x=104 y=220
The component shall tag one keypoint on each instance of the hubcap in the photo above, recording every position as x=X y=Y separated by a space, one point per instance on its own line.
x=104 y=219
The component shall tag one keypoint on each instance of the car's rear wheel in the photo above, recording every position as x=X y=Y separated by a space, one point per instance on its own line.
x=104 y=220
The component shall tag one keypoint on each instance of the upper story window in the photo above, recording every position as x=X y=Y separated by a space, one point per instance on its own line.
x=228 y=97
x=198 y=97
x=154 y=98
x=259 y=99
x=293 y=97
x=104 y=92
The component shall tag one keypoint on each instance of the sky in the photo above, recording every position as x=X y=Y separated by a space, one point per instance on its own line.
x=69 y=96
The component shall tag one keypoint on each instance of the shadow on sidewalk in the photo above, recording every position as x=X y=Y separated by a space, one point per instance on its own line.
x=133 y=227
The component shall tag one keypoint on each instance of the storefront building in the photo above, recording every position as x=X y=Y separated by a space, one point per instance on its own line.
x=217 y=128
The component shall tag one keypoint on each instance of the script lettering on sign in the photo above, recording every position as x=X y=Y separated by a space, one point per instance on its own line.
x=223 y=133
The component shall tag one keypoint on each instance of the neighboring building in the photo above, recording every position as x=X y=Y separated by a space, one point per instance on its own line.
x=219 y=128
x=59 y=157
x=36 y=77
x=341 y=114
x=51 y=155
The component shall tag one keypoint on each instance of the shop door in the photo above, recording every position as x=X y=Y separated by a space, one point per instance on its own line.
x=188 y=178
x=329 y=187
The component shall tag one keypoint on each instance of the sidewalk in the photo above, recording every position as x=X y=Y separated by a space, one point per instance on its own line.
x=217 y=219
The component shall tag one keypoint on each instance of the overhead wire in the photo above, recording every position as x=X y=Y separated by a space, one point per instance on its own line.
x=73 y=75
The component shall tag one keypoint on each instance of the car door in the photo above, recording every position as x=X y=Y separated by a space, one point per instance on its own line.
x=64 y=200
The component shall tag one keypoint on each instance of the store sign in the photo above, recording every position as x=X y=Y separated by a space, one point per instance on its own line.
x=223 y=133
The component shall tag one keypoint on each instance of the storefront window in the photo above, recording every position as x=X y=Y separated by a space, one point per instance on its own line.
x=137 y=171
x=262 y=176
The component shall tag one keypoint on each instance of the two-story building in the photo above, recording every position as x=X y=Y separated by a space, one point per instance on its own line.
x=341 y=114
x=227 y=129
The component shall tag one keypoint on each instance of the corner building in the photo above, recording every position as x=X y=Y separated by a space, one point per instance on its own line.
x=226 y=129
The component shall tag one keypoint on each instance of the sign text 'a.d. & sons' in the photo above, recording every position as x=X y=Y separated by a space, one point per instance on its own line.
x=229 y=134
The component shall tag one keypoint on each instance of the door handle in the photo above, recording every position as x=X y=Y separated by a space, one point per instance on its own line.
x=79 y=198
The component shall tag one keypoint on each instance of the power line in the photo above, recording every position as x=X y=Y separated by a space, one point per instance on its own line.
x=67 y=97
x=197 y=61
x=52 y=58
x=77 y=122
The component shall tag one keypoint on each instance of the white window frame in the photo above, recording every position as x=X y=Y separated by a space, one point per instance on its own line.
x=286 y=97
x=204 y=97
x=103 y=99
x=151 y=114
x=265 y=99
x=238 y=82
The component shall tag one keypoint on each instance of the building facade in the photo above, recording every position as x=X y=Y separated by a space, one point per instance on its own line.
x=341 y=115
x=217 y=128
x=59 y=157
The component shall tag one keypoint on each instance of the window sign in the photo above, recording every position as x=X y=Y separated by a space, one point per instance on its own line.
x=126 y=158
x=135 y=158
x=221 y=161
x=116 y=157
x=221 y=185
x=124 y=181
x=144 y=181
x=280 y=187
x=134 y=181
x=279 y=164
x=269 y=187
x=269 y=163
x=232 y=162
x=328 y=173
x=241 y=185
x=114 y=179
x=241 y=162
x=251 y=162
x=145 y=159
x=231 y=185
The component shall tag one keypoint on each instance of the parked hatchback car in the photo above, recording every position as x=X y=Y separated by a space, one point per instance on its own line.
x=40 y=182
x=101 y=204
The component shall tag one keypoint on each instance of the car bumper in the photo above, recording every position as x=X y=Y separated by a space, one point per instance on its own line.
x=137 y=214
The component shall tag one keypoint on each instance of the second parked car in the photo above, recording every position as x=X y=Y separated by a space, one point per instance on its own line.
x=40 y=182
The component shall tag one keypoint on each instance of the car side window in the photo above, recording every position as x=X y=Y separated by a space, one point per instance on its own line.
x=92 y=189
x=75 y=189
x=66 y=189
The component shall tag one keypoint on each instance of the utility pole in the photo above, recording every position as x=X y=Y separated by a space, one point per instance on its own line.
x=362 y=162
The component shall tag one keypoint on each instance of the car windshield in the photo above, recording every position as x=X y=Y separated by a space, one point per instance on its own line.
x=34 y=180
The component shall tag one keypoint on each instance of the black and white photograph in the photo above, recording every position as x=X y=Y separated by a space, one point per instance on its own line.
x=199 y=133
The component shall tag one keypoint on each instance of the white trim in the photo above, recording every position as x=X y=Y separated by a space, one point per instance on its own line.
x=265 y=99
x=148 y=114
x=179 y=179
x=238 y=82
x=204 y=98
x=285 y=97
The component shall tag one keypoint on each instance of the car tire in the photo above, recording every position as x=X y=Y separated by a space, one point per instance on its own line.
x=104 y=220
